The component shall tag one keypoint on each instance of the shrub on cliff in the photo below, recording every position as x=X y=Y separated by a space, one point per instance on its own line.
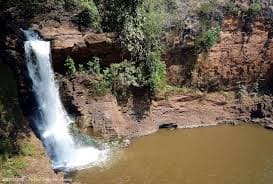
x=206 y=39
x=69 y=65
x=118 y=78
x=123 y=75
x=93 y=66
x=158 y=78
x=211 y=17
x=97 y=85
x=89 y=14
x=255 y=7
x=141 y=36
x=115 y=12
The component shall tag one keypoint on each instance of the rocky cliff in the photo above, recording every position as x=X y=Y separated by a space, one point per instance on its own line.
x=104 y=116
x=221 y=83
x=238 y=58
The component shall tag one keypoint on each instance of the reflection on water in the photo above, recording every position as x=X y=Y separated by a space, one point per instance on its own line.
x=215 y=155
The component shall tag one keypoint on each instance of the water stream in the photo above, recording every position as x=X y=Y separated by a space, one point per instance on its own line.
x=51 y=120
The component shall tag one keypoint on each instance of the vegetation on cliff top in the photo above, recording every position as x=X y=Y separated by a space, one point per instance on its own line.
x=141 y=27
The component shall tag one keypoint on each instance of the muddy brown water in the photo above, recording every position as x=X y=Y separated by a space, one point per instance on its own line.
x=215 y=155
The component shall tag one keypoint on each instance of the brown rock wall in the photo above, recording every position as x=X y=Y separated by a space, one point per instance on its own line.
x=236 y=58
x=67 y=40
x=140 y=116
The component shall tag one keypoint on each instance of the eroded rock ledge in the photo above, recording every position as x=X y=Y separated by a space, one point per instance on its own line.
x=238 y=56
x=67 y=40
x=104 y=116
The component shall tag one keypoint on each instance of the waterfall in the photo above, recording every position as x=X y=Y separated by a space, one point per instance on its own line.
x=51 y=120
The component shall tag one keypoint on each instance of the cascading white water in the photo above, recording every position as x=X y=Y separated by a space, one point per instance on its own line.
x=52 y=121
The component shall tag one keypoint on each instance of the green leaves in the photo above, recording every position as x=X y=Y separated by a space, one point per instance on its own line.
x=139 y=25
x=158 y=78
x=205 y=40
x=210 y=17
x=255 y=7
x=92 y=19
x=123 y=75
x=69 y=66
x=93 y=66
x=141 y=36
x=114 y=13
x=117 y=77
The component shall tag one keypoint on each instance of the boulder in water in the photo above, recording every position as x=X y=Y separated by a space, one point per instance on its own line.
x=168 y=126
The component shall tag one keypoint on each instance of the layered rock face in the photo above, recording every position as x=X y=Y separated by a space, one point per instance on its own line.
x=67 y=40
x=140 y=116
x=238 y=57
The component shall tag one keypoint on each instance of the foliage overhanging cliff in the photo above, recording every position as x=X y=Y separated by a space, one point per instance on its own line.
x=144 y=28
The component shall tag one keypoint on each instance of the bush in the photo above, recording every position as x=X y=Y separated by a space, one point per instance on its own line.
x=6 y=146
x=96 y=82
x=98 y=87
x=155 y=14
x=207 y=7
x=158 y=79
x=211 y=17
x=114 y=13
x=155 y=17
x=255 y=7
x=69 y=65
x=118 y=78
x=205 y=40
x=249 y=17
x=131 y=37
x=171 y=6
x=123 y=75
x=89 y=15
x=139 y=25
x=93 y=66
